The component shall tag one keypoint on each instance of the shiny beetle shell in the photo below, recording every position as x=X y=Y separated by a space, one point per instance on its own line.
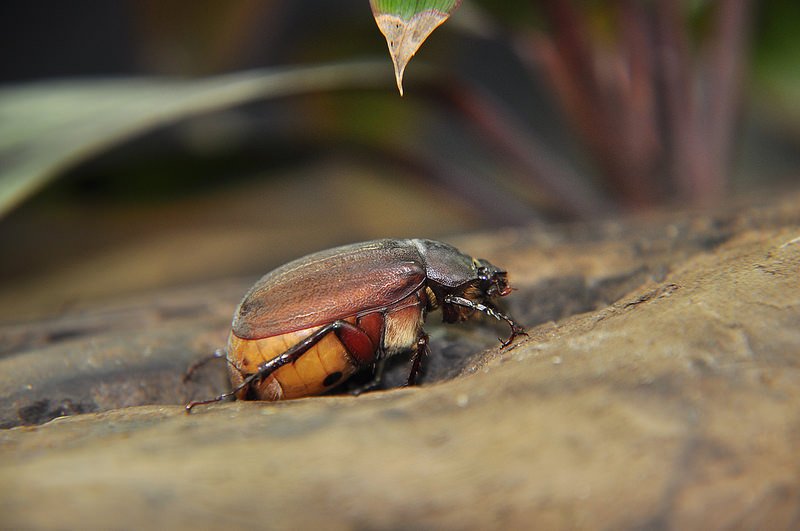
x=307 y=326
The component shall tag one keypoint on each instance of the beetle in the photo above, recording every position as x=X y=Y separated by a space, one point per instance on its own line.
x=309 y=325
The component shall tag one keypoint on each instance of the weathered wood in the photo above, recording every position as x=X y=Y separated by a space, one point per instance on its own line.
x=661 y=389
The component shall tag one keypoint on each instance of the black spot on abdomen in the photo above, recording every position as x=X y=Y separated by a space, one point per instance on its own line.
x=332 y=378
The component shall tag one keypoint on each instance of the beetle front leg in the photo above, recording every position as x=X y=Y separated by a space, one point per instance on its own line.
x=516 y=330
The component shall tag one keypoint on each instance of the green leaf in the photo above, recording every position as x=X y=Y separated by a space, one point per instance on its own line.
x=406 y=24
x=49 y=127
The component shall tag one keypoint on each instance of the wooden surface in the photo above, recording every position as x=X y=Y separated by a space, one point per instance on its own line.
x=659 y=388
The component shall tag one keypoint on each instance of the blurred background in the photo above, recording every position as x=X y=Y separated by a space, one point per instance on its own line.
x=154 y=143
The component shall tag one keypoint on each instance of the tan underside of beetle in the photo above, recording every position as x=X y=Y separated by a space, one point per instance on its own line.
x=309 y=374
x=304 y=377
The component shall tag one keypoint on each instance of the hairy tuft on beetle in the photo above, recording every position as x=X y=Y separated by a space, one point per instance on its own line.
x=309 y=325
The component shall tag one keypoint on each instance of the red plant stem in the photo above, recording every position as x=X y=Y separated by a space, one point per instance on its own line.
x=575 y=63
x=687 y=155
x=551 y=173
x=639 y=146
x=619 y=131
x=726 y=57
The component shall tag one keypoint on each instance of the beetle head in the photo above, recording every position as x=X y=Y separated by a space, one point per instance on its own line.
x=488 y=282
x=452 y=273
x=492 y=281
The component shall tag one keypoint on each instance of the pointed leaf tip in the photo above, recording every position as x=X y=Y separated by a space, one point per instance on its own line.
x=406 y=24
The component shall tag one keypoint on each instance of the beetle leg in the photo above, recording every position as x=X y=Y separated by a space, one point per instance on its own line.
x=218 y=354
x=265 y=369
x=416 y=359
x=376 y=379
x=416 y=365
x=516 y=330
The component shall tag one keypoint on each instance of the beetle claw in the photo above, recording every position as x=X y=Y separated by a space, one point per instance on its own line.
x=516 y=331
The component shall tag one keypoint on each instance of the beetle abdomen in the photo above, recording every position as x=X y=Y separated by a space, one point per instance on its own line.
x=319 y=369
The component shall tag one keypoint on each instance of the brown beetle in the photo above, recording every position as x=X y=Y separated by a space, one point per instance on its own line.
x=309 y=325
